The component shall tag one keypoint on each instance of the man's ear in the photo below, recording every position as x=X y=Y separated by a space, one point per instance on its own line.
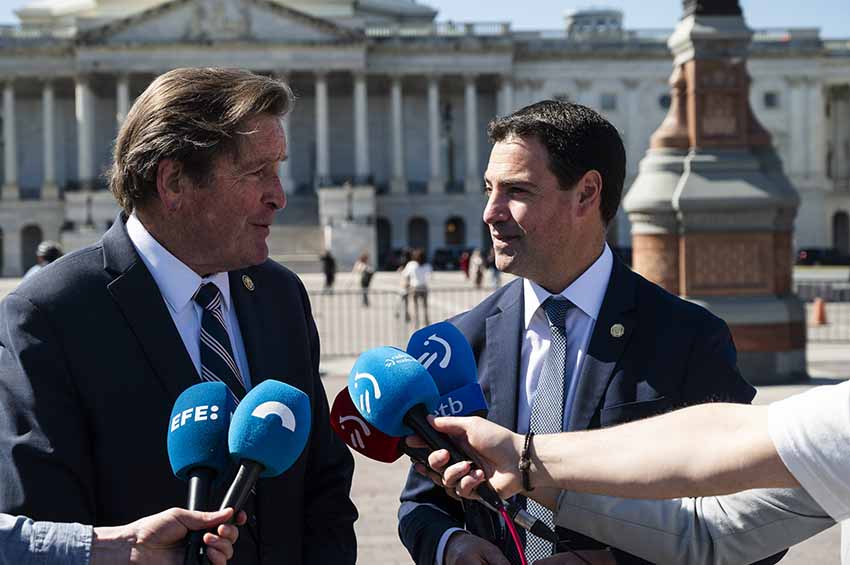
x=589 y=191
x=170 y=186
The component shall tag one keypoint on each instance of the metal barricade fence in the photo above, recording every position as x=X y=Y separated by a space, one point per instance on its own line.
x=830 y=320
x=347 y=327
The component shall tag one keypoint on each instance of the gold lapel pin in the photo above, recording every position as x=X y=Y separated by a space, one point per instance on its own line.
x=249 y=284
x=617 y=330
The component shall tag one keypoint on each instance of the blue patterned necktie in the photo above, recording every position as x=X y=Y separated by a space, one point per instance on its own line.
x=217 y=360
x=547 y=410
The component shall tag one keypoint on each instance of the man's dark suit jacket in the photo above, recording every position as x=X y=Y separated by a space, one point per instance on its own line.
x=672 y=353
x=90 y=366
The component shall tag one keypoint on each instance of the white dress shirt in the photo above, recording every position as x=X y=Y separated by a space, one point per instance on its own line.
x=178 y=284
x=587 y=293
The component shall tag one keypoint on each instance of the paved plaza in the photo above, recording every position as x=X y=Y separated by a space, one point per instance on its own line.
x=377 y=485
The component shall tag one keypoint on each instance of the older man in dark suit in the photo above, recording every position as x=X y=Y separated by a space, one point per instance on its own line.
x=97 y=346
x=579 y=341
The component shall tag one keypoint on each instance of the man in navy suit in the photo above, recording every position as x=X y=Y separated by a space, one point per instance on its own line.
x=96 y=347
x=621 y=349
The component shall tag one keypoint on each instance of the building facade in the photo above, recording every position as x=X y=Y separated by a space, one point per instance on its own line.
x=390 y=103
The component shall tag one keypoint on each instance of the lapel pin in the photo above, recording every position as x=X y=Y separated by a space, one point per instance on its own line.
x=617 y=330
x=249 y=284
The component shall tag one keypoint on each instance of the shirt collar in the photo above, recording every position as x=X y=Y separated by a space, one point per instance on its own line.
x=587 y=292
x=176 y=281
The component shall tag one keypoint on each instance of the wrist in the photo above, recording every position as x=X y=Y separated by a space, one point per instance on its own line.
x=111 y=545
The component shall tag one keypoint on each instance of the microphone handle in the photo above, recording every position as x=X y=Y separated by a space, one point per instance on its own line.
x=416 y=418
x=200 y=485
x=418 y=454
x=240 y=488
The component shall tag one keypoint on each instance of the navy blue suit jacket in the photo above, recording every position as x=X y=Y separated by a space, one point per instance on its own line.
x=90 y=366
x=673 y=353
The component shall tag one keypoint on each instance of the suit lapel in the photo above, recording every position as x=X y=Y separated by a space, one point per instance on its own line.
x=504 y=336
x=136 y=294
x=605 y=348
x=250 y=327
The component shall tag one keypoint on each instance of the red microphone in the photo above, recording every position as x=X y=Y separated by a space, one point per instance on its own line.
x=364 y=438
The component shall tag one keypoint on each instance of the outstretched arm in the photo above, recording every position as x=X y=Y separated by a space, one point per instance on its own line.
x=706 y=450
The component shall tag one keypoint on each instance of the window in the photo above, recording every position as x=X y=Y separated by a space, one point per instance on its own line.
x=771 y=99
x=608 y=101
x=664 y=101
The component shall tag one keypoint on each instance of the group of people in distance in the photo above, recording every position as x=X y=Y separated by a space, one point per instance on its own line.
x=96 y=346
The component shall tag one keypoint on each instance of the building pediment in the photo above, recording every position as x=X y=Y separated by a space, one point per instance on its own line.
x=218 y=21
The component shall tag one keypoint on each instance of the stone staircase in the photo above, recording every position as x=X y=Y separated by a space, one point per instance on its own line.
x=296 y=239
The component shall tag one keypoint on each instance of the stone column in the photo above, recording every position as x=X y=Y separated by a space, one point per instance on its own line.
x=473 y=170
x=437 y=183
x=398 y=182
x=506 y=95
x=817 y=131
x=122 y=98
x=797 y=120
x=712 y=212
x=361 y=131
x=633 y=120
x=284 y=170
x=323 y=150
x=9 y=190
x=85 y=133
x=49 y=190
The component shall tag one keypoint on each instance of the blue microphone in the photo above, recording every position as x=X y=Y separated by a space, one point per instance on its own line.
x=395 y=393
x=447 y=355
x=197 y=447
x=268 y=432
x=444 y=351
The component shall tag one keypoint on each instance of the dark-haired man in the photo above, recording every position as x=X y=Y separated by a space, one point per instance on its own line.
x=579 y=341
x=179 y=290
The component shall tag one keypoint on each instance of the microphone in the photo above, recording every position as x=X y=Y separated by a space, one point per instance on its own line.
x=445 y=352
x=365 y=438
x=197 y=447
x=394 y=393
x=268 y=432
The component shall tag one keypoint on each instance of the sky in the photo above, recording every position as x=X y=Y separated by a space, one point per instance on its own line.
x=831 y=16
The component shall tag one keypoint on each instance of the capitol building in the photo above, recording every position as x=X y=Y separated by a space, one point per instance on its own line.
x=387 y=142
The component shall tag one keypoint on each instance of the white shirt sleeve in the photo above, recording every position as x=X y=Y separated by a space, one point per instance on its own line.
x=811 y=433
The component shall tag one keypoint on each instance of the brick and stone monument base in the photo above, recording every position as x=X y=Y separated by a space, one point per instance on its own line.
x=712 y=211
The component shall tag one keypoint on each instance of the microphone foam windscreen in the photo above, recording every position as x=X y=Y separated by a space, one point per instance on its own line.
x=197 y=429
x=385 y=383
x=359 y=434
x=270 y=426
x=444 y=351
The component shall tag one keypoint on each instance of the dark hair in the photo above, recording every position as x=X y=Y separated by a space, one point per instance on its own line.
x=191 y=115
x=577 y=140
x=49 y=251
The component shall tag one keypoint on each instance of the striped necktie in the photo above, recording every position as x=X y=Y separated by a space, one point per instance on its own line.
x=217 y=360
x=547 y=410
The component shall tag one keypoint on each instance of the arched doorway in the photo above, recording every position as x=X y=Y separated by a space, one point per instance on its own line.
x=384 y=232
x=841 y=232
x=31 y=236
x=486 y=240
x=417 y=234
x=455 y=232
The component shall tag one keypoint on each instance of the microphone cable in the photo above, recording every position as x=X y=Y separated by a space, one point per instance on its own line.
x=514 y=535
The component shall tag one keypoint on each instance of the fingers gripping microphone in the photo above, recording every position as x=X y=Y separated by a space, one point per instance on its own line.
x=268 y=432
x=445 y=352
x=365 y=438
x=197 y=447
x=394 y=393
